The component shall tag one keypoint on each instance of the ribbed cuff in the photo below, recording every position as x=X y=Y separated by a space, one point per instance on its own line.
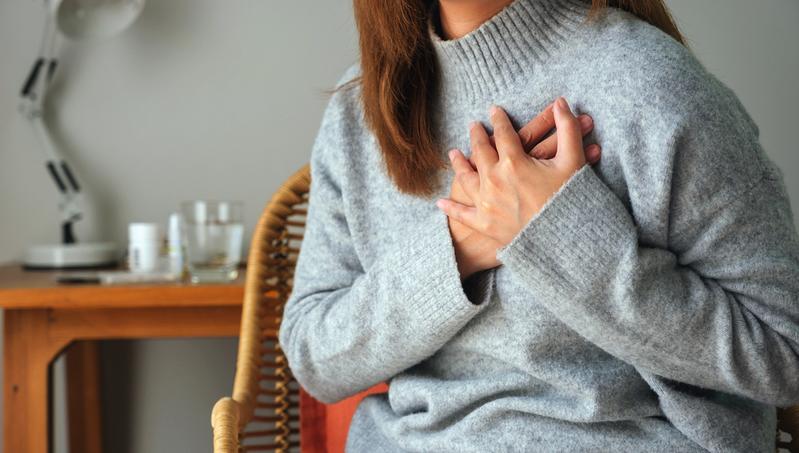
x=426 y=271
x=574 y=240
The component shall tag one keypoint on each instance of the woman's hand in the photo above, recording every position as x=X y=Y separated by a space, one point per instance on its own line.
x=476 y=251
x=509 y=186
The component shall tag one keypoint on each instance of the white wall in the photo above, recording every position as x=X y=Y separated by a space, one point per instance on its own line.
x=222 y=99
x=199 y=99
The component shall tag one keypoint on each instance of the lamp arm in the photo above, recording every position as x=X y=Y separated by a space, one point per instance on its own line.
x=64 y=179
x=36 y=84
x=32 y=105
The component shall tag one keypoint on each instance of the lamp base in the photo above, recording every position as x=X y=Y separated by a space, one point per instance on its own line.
x=89 y=255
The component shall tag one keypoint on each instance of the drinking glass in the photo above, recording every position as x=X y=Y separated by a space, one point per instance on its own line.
x=214 y=234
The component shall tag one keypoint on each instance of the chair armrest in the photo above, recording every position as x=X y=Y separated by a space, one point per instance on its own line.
x=225 y=424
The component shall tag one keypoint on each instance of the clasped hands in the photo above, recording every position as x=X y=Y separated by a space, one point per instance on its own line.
x=497 y=191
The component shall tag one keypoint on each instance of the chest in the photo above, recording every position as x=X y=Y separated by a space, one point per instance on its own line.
x=378 y=213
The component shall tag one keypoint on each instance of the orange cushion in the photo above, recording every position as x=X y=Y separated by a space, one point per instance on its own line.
x=340 y=414
x=324 y=427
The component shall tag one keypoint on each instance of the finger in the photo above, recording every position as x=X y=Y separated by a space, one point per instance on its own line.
x=470 y=159
x=547 y=148
x=537 y=128
x=470 y=181
x=467 y=215
x=484 y=155
x=493 y=144
x=509 y=146
x=593 y=153
x=570 y=141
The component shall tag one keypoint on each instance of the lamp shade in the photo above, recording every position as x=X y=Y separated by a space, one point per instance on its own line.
x=90 y=19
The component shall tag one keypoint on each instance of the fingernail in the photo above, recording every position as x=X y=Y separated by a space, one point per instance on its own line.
x=562 y=103
x=440 y=203
x=494 y=110
x=452 y=154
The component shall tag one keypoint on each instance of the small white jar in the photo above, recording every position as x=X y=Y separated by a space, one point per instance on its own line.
x=143 y=245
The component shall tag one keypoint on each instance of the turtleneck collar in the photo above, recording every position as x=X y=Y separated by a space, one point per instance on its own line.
x=487 y=60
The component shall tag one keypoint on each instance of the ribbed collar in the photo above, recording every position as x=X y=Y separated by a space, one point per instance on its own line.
x=489 y=59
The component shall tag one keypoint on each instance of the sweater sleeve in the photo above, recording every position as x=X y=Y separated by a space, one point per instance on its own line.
x=346 y=328
x=718 y=308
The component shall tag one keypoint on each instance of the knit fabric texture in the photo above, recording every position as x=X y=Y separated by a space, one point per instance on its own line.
x=650 y=306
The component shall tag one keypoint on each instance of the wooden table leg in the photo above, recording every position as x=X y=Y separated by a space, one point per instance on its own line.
x=83 y=397
x=34 y=337
x=28 y=353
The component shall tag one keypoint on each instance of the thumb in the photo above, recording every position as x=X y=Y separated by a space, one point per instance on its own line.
x=570 y=139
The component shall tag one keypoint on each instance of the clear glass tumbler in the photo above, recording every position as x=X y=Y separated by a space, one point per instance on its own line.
x=214 y=235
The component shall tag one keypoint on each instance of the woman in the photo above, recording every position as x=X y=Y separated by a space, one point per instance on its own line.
x=644 y=301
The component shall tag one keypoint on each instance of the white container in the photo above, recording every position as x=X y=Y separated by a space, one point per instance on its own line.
x=143 y=245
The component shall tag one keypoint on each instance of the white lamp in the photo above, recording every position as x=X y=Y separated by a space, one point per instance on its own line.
x=76 y=19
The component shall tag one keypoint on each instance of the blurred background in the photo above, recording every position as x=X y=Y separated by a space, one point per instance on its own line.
x=222 y=99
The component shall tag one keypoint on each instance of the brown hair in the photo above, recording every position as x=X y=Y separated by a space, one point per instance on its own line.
x=399 y=76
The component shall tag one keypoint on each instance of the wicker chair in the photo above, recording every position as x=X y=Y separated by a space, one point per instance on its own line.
x=269 y=410
x=263 y=381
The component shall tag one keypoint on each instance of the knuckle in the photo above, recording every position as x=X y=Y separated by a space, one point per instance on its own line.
x=513 y=165
x=479 y=140
x=494 y=178
x=489 y=210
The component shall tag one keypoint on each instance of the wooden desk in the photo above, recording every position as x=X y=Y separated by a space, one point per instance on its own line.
x=44 y=318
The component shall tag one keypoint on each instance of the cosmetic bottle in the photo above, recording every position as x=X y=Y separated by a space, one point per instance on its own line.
x=176 y=244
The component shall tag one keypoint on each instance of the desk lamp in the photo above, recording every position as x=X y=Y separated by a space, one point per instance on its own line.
x=78 y=20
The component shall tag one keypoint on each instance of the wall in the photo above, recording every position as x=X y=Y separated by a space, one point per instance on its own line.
x=213 y=99
x=199 y=99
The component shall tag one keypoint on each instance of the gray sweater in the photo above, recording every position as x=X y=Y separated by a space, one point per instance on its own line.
x=651 y=305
